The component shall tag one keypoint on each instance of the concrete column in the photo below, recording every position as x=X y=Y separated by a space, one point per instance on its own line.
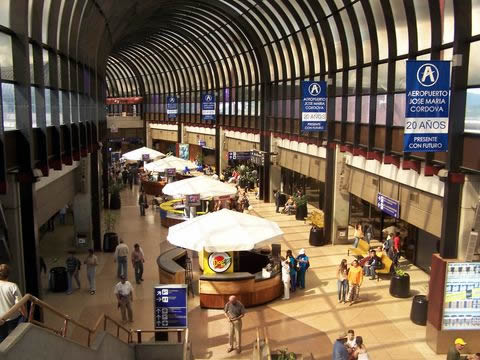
x=82 y=202
x=469 y=200
x=11 y=208
x=148 y=136
x=275 y=179
x=221 y=149
x=341 y=198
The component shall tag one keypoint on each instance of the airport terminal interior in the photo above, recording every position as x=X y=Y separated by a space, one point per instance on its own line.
x=256 y=151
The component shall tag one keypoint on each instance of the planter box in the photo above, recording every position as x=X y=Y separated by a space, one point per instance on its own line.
x=400 y=286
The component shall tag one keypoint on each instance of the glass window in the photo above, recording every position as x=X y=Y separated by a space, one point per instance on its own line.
x=336 y=40
x=6 y=57
x=401 y=30
x=366 y=79
x=381 y=29
x=352 y=82
x=399 y=110
x=30 y=15
x=472 y=113
x=352 y=53
x=363 y=25
x=61 y=96
x=474 y=64
x=59 y=25
x=448 y=22
x=400 y=75
x=46 y=67
x=351 y=109
x=338 y=81
x=48 y=107
x=475 y=17
x=365 y=117
x=382 y=77
x=338 y=108
x=5 y=13
x=8 y=106
x=34 y=106
x=381 y=110
x=424 y=28
x=46 y=12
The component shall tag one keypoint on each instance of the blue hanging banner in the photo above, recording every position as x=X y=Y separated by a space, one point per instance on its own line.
x=208 y=107
x=427 y=100
x=170 y=306
x=314 y=105
x=172 y=107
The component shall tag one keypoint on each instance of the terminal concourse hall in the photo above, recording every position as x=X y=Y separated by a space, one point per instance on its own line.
x=370 y=109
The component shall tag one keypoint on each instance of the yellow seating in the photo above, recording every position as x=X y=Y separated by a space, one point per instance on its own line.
x=387 y=265
x=362 y=249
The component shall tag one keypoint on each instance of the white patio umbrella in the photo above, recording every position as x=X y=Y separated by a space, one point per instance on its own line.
x=224 y=230
x=136 y=155
x=168 y=163
x=204 y=185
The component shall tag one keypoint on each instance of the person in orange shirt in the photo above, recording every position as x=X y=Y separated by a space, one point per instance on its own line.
x=355 y=280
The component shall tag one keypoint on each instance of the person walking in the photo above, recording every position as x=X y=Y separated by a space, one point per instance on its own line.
x=9 y=295
x=137 y=261
x=130 y=179
x=91 y=261
x=124 y=293
x=360 y=352
x=303 y=265
x=234 y=312
x=142 y=202
x=368 y=231
x=357 y=235
x=120 y=257
x=342 y=281
x=63 y=214
x=292 y=262
x=396 y=248
x=355 y=279
x=73 y=269
x=454 y=351
x=276 y=196
x=339 y=350
x=286 y=279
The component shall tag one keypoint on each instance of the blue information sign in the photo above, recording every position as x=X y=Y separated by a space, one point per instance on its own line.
x=314 y=105
x=388 y=206
x=208 y=107
x=427 y=98
x=170 y=306
x=239 y=155
x=172 y=107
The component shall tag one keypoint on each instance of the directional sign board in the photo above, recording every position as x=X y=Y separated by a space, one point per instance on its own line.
x=172 y=107
x=239 y=155
x=170 y=171
x=208 y=107
x=314 y=105
x=388 y=206
x=170 y=306
x=427 y=100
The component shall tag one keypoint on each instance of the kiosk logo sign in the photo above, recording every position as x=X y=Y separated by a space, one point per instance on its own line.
x=314 y=105
x=172 y=107
x=208 y=107
x=219 y=262
x=427 y=106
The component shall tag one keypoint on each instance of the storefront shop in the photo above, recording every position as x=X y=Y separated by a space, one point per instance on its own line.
x=313 y=189
x=164 y=146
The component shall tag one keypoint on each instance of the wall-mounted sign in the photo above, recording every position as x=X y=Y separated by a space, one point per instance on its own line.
x=427 y=98
x=314 y=105
x=170 y=172
x=208 y=107
x=258 y=158
x=145 y=157
x=461 y=310
x=239 y=155
x=388 y=206
x=192 y=199
x=172 y=107
x=170 y=306
x=202 y=143
x=219 y=262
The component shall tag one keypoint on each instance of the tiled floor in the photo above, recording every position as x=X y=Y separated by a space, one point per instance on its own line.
x=308 y=323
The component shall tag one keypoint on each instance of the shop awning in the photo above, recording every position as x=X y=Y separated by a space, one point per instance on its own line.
x=224 y=230
x=170 y=162
x=206 y=186
x=138 y=154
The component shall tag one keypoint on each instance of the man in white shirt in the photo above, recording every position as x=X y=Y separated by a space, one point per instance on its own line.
x=124 y=293
x=9 y=295
x=121 y=258
x=350 y=344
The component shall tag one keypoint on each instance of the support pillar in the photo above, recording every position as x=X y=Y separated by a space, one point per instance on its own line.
x=341 y=199
x=82 y=202
x=95 y=201
x=329 y=193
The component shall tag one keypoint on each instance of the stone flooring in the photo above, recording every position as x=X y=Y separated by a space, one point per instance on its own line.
x=308 y=323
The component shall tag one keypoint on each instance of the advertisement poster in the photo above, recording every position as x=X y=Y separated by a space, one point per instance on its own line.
x=461 y=309
x=183 y=151
x=427 y=103
x=208 y=107
x=170 y=306
x=172 y=107
x=217 y=262
x=314 y=105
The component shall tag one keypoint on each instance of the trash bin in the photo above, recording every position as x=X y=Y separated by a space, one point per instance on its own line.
x=110 y=242
x=418 y=313
x=58 y=281
x=317 y=237
x=342 y=235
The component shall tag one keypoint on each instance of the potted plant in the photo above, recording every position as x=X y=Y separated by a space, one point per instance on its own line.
x=114 y=190
x=110 y=237
x=400 y=284
x=284 y=355
x=301 y=207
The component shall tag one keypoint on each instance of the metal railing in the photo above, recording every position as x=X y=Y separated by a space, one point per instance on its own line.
x=32 y=302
